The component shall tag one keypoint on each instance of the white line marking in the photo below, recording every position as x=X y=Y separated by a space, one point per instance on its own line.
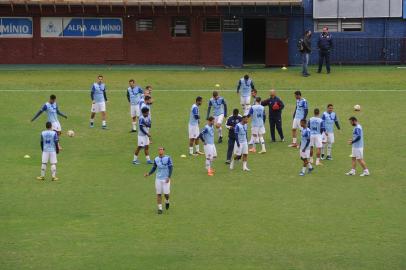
x=203 y=90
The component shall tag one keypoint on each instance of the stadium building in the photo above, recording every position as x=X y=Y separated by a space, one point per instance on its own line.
x=211 y=33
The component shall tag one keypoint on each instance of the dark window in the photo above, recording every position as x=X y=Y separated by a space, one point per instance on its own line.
x=231 y=25
x=212 y=25
x=144 y=25
x=180 y=27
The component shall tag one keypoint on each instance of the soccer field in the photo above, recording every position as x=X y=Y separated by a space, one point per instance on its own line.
x=102 y=212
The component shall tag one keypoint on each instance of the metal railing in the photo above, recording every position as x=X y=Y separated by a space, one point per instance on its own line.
x=369 y=51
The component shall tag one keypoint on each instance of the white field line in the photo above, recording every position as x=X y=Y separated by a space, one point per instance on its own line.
x=202 y=90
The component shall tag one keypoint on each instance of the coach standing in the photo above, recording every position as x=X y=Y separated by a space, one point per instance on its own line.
x=232 y=121
x=325 y=44
x=275 y=114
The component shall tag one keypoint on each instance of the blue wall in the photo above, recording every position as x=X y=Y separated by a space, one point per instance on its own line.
x=232 y=49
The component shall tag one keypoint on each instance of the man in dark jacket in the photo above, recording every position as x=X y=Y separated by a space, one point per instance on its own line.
x=275 y=114
x=325 y=44
x=232 y=121
x=306 y=50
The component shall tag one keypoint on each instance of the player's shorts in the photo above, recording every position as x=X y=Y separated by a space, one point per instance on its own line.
x=245 y=100
x=210 y=151
x=49 y=156
x=135 y=111
x=219 y=119
x=242 y=150
x=194 y=132
x=56 y=126
x=305 y=154
x=143 y=141
x=296 y=123
x=358 y=153
x=316 y=141
x=328 y=139
x=98 y=107
x=162 y=187
x=258 y=130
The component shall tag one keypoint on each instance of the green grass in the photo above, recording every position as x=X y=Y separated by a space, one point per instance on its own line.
x=101 y=215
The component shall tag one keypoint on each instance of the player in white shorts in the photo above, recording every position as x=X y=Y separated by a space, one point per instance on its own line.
x=305 y=148
x=301 y=111
x=99 y=99
x=330 y=118
x=194 y=131
x=163 y=166
x=144 y=135
x=241 y=143
x=50 y=148
x=357 y=143
x=219 y=112
x=316 y=125
x=207 y=137
x=245 y=84
x=52 y=110
x=257 y=113
x=134 y=94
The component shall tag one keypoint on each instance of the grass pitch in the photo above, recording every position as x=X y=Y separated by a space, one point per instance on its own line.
x=101 y=214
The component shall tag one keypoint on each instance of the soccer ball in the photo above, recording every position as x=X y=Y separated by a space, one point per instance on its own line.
x=357 y=108
x=71 y=133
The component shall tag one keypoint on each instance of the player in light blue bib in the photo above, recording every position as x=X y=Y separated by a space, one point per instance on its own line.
x=134 y=94
x=245 y=85
x=219 y=112
x=194 y=131
x=207 y=137
x=99 y=99
x=163 y=166
x=357 y=143
x=305 y=148
x=52 y=110
x=330 y=119
x=316 y=125
x=241 y=143
x=257 y=114
x=50 y=148
x=301 y=110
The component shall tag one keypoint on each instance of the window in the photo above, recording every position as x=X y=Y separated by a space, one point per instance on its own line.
x=339 y=25
x=351 y=25
x=212 y=25
x=181 y=27
x=144 y=25
x=231 y=25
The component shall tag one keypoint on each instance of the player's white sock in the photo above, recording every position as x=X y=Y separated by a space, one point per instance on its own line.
x=261 y=139
x=91 y=121
x=160 y=206
x=294 y=140
x=191 y=150
x=311 y=160
x=303 y=169
x=244 y=165
x=251 y=140
x=43 y=169
x=167 y=201
x=232 y=164
x=309 y=165
x=53 y=170
x=147 y=157
x=220 y=130
x=103 y=123
x=366 y=171
x=207 y=164
x=135 y=157
x=197 y=148
x=134 y=125
x=317 y=160
x=329 y=146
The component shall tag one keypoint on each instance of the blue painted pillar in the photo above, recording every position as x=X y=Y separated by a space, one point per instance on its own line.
x=233 y=49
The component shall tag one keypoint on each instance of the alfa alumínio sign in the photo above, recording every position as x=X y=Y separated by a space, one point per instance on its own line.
x=81 y=27
x=15 y=27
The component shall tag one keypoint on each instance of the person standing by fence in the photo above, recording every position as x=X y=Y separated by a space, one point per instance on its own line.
x=325 y=44
x=305 y=50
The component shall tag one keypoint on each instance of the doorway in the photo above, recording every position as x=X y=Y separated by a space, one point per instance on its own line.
x=254 y=41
